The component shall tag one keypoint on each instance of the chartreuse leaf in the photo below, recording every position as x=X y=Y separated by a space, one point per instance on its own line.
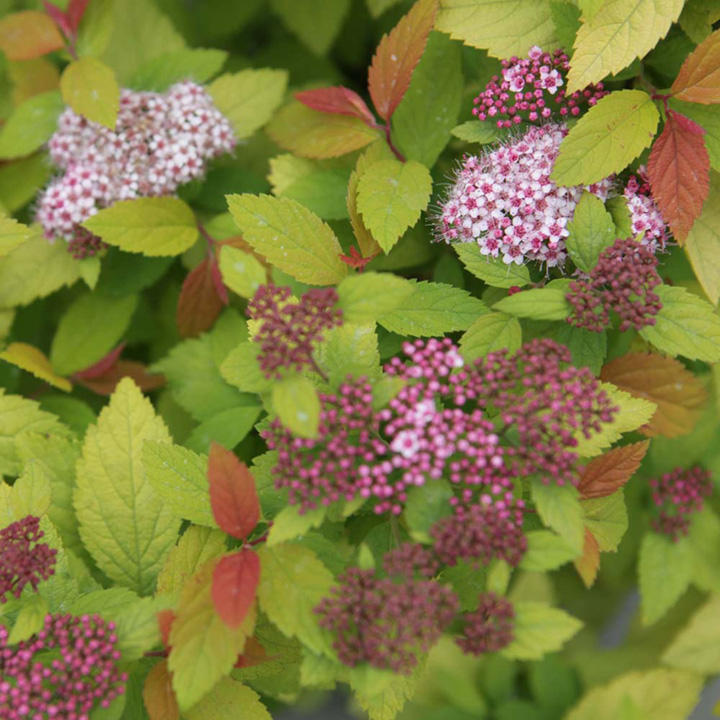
x=292 y=582
x=350 y=349
x=158 y=73
x=476 y=131
x=12 y=234
x=659 y=694
x=203 y=647
x=35 y=269
x=391 y=195
x=664 y=573
x=502 y=27
x=606 y=518
x=546 y=551
x=290 y=523
x=491 y=270
x=607 y=138
x=381 y=693
x=242 y=369
x=546 y=303
x=124 y=524
x=241 y=271
x=539 y=629
x=297 y=405
x=30 y=125
x=365 y=297
x=559 y=508
x=178 y=476
x=697 y=645
x=591 y=230
x=490 y=332
x=290 y=236
x=433 y=309
x=91 y=326
x=248 y=98
x=703 y=243
x=151 y=225
x=613 y=38
x=686 y=325
x=30 y=619
x=224 y=700
x=89 y=87
x=429 y=110
x=34 y=361
x=316 y=30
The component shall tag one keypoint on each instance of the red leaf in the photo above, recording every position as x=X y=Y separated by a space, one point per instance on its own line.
x=165 y=619
x=699 y=78
x=105 y=384
x=679 y=171
x=59 y=18
x=605 y=474
x=253 y=654
x=233 y=496
x=75 y=11
x=29 y=34
x=101 y=366
x=235 y=581
x=397 y=55
x=158 y=695
x=588 y=563
x=200 y=302
x=338 y=100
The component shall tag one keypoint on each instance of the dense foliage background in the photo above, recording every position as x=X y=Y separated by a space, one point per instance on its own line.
x=229 y=425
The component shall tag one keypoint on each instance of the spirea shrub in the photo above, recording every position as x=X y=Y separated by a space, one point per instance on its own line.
x=366 y=348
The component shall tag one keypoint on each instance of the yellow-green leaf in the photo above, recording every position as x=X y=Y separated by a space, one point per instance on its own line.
x=703 y=242
x=242 y=272
x=89 y=87
x=697 y=645
x=30 y=619
x=539 y=629
x=607 y=138
x=124 y=524
x=224 y=701
x=34 y=361
x=297 y=405
x=30 y=125
x=491 y=270
x=12 y=234
x=494 y=331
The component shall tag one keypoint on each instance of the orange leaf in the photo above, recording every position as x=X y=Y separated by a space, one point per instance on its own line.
x=603 y=475
x=253 y=654
x=678 y=394
x=158 y=694
x=679 y=171
x=101 y=366
x=233 y=496
x=699 y=77
x=338 y=100
x=397 y=55
x=32 y=77
x=105 y=384
x=235 y=581
x=165 y=619
x=201 y=299
x=28 y=34
x=588 y=563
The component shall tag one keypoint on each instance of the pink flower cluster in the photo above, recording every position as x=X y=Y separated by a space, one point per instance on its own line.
x=623 y=280
x=160 y=142
x=531 y=90
x=24 y=560
x=677 y=495
x=489 y=628
x=62 y=672
x=506 y=202
x=289 y=331
x=383 y=622
x=645 y=216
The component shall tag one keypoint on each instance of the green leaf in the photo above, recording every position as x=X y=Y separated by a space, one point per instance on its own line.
x=248 y=98
x=546 y=303
x=30 y=619
x=433 y=309
x=316 y=30
x=365 y=297
x=587 y=348
x=136 y=626
x=322 y=191
x=227 y=428
x=290 y=236
x=503 y=27
x=703 y=243
x=704 y=536
x=664 y=573
x=241 y=368
x=350 y=349
x=391 y=196
x=591 y=230
x=124 y=524
x=290 y=523
x=697 y=646
x=686 y=325
x=292 y=582
x=297 y=405
x=566 y=18
x=179 y=477
x=613 y=38
x=241 y=271
x=618 y=209
x=35 y=269
x=607 y=519
x=425 y=506
x=160 y=72
x=546 y=551
x=476 y=131
x=539 y=629
x=607 y=138
x=494 y=331
x=423 y=120
x=30 y=125
x=559 y=508
x=659 y=694
x=89 y=87
x=90 y=328
x=12 y=234
x=224 y=700
x=493 y=271
x=152 y=226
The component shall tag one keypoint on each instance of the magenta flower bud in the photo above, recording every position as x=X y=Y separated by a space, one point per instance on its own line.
x=490 y=627
x=677 y=495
